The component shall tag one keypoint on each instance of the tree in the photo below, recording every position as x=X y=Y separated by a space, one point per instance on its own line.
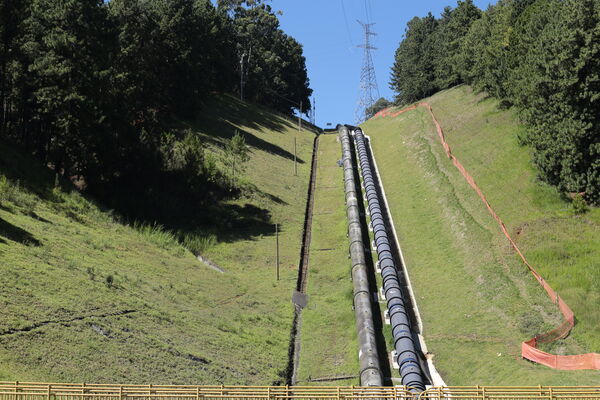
x=379 y=105
x=6 y=40
x=492 y=65
x=237 y=154
x=12 y=15
x=293 y=83
x=470 y=59
x=557 y=86
x=450 y=33
x=270 y=62
x=413 y=71
x=486 y=53
x=137 y=63
x=64 y=45
x=217 y=48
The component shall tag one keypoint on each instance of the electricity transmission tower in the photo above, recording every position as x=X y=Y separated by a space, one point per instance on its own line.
x=369 y=92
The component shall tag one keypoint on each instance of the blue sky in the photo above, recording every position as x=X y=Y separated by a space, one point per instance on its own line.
x=329 y=38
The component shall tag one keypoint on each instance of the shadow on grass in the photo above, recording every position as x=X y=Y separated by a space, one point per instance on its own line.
x=154 y=197
x=248 y=222
x=235 y=112
x=227 y=130
x=202 y=207
x=262 y=144
x=166 y=198
x=224 y=115
x=33 y=215
x=17 y=234
x=28 y=171
x=274 y=199
x=251 y=189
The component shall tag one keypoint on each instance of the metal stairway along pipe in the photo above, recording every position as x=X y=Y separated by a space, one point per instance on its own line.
x=404 y=342
x=368 y=357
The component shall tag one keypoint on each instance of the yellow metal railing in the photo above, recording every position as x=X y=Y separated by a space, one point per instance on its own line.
x=511 y=392
x=61 y=391
x=68 y=391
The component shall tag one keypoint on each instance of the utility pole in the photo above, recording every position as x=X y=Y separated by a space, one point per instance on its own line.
x=277 y=248
x=233 y=172
x=242 y=70
x=368 y=81
x=300 y=117
x=242 y=76
x=295 y=159
x=299 y=129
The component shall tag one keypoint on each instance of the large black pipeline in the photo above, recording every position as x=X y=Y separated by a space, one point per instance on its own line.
x=370 y=371
x=404 y=342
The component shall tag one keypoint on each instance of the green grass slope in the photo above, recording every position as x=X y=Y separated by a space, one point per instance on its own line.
x=86 y=298
x=477 y=300
x=329 y=344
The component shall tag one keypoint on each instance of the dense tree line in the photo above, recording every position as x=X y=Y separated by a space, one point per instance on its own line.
x=379 y=105
x=91 y=86
x=540 y=56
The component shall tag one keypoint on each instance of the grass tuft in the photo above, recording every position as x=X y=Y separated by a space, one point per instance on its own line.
x=198 y=243
x=13 y=195
x=156 y=234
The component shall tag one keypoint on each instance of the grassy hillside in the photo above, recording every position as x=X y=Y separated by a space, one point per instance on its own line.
x=477 y=300
x=84 y=297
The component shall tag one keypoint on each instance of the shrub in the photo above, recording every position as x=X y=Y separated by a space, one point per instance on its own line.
x=237 y=155
x=579 y=204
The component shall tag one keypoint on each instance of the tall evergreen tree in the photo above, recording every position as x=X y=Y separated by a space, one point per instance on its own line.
x=12 y=15
x=451 y=30
x=5 y=44
x=487 y=49
x=178 y=49
x=493 y=62
x=557 y=87
x=270 y=62
x=67 y=65
x=470 y=60
x=413 y=73
x=216 y=47
x=136 y=64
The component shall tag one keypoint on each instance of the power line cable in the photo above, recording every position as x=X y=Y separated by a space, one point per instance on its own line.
x=282 y=97
x=346 y=22
x=370 y=10
x=367 y=12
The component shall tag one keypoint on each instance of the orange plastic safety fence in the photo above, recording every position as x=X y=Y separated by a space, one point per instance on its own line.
x=529 y=348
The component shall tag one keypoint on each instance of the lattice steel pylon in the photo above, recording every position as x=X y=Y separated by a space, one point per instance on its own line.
x=369 y=92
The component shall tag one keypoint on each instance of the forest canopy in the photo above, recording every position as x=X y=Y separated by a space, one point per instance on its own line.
x=540 y=56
